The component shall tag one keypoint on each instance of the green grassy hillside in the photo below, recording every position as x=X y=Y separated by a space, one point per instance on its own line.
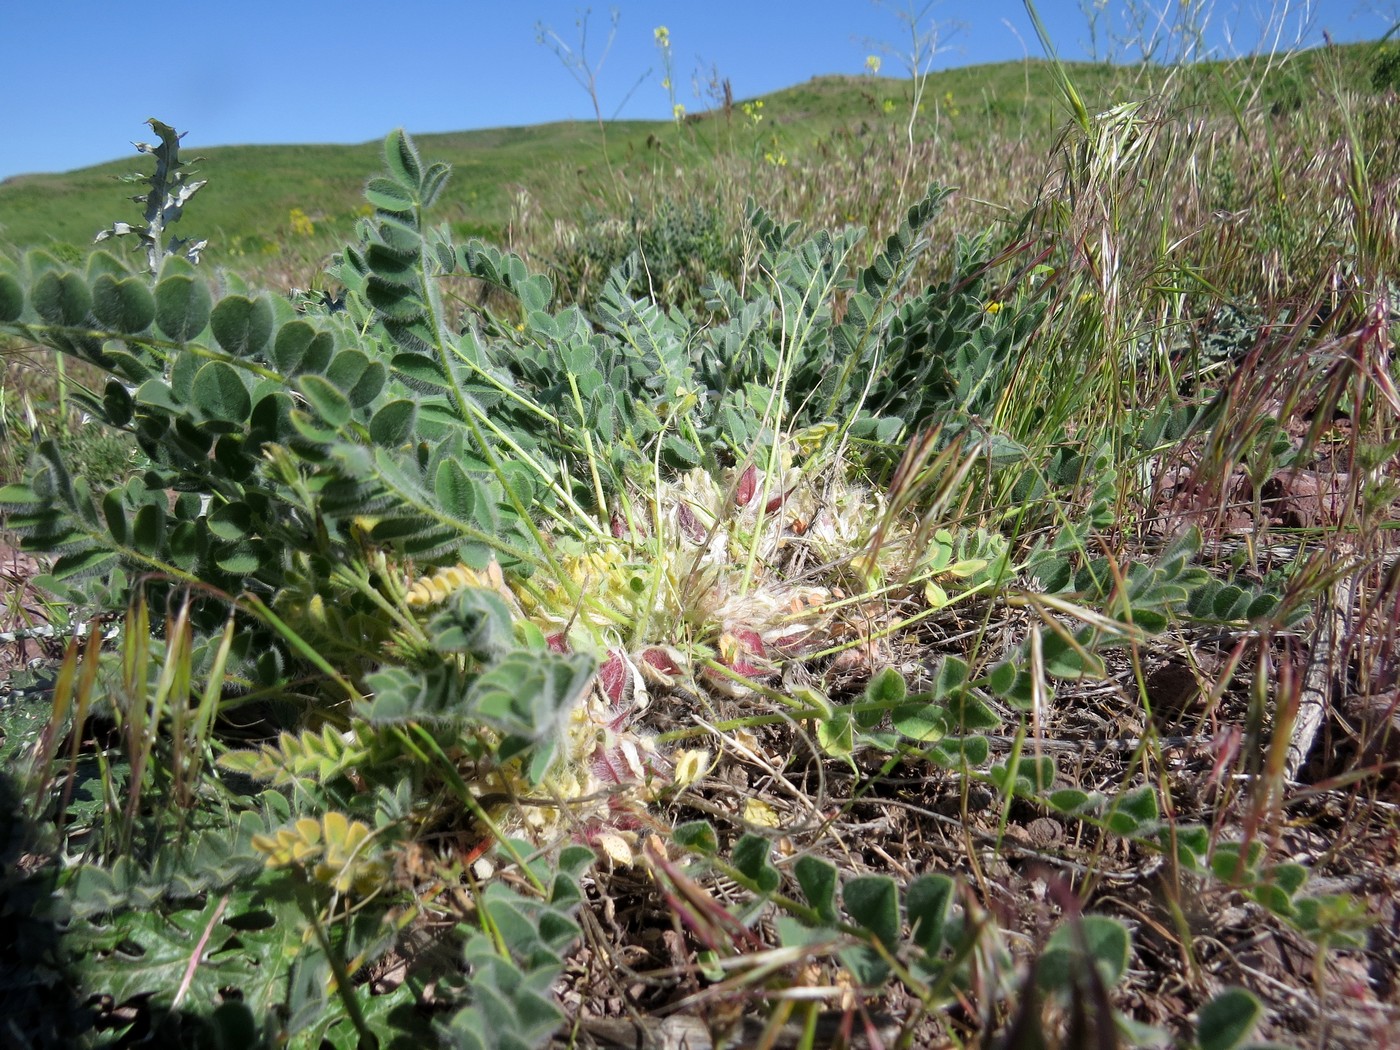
x=245 y=208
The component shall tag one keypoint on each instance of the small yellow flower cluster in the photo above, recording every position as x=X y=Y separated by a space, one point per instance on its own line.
x=872 y=64
x=602 y=573
x=441 y=585
x=677 y=112
x=331 y=850
x=753 y=110
x=302 y=226
x=776 y=158
x=445 y=582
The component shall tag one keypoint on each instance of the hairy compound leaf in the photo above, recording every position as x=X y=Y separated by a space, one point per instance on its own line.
x=290 y=347
x=369 y=385
x=476 y=621
x=1140 y=807
x=404 y=695
x=681 y=452
x=697 y=835
x=420 y=372
x=886 y=689
x=182 y=306
x=1192 y=844
x=114 y=512
x=1261 y=606
x=872 y=902
x=1071 y=658
x=750 y=856
x=967 y=713
x=347 y=367
x=458 y=494
x=961 y=752
x=1069 y=801
x=433 y=181
x=1033 y=775
x=402 y=157
x=535 y=293
x=1106 y=942
x=927 y=900
x=836 y=734
x=949 y=677
x=219 y=392
x=1226 y=1021
x=400 y=237
x=388 y=195
x=1000 y=679
x=393 y=267
x=61 y=298
x=818 y=880
x=529 y=693
x=148 y=530
x=242 y=325
x=300 y=348
x=11 y=298
x=188 y=545
x=240 y=559
x=117 y=403
x=1231 y=603
x=79 y=564
x=395 y=302
x=123 y=304
x=392 y=424
x=330 y=404
x=922 y=721
x=413 y=334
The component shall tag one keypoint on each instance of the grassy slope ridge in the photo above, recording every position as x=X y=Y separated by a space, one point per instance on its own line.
x=252 y=189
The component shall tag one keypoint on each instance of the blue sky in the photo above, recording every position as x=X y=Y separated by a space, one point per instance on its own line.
x=79 y=77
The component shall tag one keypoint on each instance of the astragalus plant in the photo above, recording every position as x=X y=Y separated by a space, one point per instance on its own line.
x=441 y=619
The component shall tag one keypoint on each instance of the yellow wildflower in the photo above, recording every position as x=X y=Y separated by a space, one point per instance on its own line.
x=302 y=226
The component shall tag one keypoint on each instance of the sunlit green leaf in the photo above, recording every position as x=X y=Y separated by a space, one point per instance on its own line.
x=123 y=304
x=242 y=325
x=219 y=391
x=183 y=305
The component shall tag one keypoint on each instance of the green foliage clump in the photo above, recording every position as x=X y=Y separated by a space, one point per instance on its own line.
x=676 y=246
x=437 y=558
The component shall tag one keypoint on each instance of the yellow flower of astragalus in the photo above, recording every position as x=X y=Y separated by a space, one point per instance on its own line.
x=297 y=844
x=691 y=766
x=332 y=850
x=445 y=582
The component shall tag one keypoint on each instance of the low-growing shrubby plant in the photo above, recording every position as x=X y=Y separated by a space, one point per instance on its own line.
x=440 y=621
